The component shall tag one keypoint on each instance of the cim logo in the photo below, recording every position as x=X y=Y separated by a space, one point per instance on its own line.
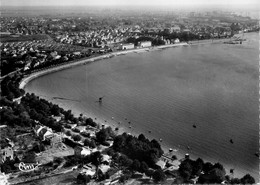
x=28 y=166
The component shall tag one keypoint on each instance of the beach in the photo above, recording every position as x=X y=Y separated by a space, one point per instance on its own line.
x=132 y=115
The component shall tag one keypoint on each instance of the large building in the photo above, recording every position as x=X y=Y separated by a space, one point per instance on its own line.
x=144 y=44
x=45 y=133
x=126 y=46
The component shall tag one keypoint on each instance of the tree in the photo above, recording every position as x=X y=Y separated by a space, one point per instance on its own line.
x=86 y=142
x=136 y=165
x=141 y=137
x=174 y=157
x=149 y=173
x=76 y=137
x=197 y=166
x=92 y=144
x=90 y=122
x=102 y=136
x=235 y=181
x=83 y=179
x=159 y=176
x=125 y=161
x=217 y=175
x=55 y=110
x=126 y=175
x=7 y=166
x=185 y=169
x=96 y=158
x=144 y=167
x=29 y=157
x=247 y=179
x=207 y=167
x=68 y=133
x=38 y=147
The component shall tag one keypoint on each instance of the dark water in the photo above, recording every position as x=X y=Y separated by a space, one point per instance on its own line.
x=213 y=86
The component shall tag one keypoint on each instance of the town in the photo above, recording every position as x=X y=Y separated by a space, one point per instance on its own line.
x=41 y=140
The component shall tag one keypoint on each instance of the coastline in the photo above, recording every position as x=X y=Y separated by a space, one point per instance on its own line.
x=180 y=153
x=110 y=55
x=84 y=61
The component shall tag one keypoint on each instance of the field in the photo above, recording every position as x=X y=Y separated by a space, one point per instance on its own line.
x=49 y=155
x=67 y=178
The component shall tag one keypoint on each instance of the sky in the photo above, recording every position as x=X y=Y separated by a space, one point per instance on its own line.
x=129 y=2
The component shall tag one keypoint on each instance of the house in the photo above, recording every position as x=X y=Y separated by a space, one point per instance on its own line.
x=161 y=163
x=176 y=41
x=81 y=151
x=45 y=133
x=104 y=168
x=7 y=150
x=126 y=46
x=144 y=44
x=175 y=29
x=89 y=170
x=106 y=159
x=186 y=30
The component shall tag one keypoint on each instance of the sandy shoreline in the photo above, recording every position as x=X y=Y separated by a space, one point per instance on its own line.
x=114 y=123
x=92 y=59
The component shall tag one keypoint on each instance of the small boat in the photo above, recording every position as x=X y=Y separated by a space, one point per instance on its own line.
x=100 y=99
x=231 y=141
x=170 y=149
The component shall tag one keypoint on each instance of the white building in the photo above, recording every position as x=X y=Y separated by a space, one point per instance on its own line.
x=126 y=46
x=176 y=41
x=145 y=44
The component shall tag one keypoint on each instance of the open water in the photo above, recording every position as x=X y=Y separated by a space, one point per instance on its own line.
x=166 y=92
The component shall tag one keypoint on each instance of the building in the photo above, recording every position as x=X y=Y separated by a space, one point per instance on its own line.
x=126 y=46
x=6 y=152
x=144 y=44
x=176 y=41
x=81 y=151
x=176 y=29
x=161 y=163
x=106 y=159
x=46 y=134
x=43 y=133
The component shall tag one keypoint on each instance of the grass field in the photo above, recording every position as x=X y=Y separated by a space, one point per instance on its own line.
x=63 y=179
